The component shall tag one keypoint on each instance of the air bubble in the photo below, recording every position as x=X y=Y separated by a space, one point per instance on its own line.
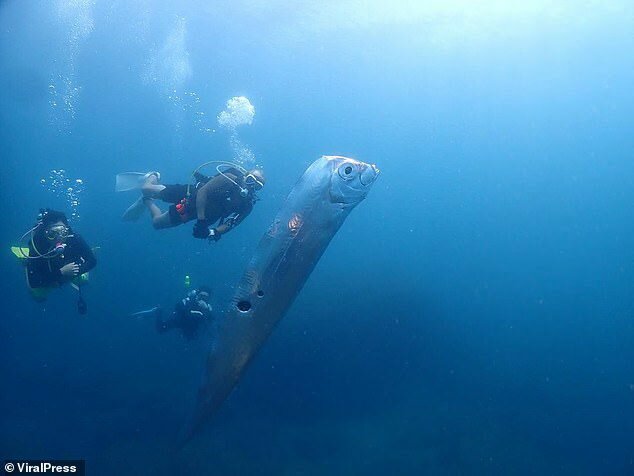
x=58 y=184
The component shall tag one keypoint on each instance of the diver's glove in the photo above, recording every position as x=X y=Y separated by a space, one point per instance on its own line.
x=201 y=229
x=214 y=235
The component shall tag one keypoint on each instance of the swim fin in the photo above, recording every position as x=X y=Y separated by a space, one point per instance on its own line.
x=20 y=252
x=132 y=180
x=154 y=312
x=134 y=211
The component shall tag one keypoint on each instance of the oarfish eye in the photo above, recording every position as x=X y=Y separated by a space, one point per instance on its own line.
x=347 y=171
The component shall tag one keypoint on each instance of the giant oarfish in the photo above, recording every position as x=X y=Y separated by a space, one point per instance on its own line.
x=287 y=253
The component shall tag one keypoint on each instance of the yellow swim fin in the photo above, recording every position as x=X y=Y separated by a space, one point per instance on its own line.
x=20 y=252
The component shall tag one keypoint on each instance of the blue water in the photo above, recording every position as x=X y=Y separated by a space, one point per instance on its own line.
x=475 y=315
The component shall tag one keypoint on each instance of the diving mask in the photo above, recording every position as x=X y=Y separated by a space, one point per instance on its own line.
x=253 y=181
x=58 y=232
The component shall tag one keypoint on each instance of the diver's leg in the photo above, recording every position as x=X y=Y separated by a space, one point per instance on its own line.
x=190 y=329
x=164 y=326
x=151 y=188
x=160 y=219
x=161 y=327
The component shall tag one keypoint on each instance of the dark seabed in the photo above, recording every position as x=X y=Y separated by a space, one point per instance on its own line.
x=473 y=316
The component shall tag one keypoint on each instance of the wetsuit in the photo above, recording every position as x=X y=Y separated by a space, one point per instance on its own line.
x=45 y=272
x=224 y=202
x=188 y=315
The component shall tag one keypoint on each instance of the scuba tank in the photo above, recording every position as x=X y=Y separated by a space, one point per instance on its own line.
x=232 y=168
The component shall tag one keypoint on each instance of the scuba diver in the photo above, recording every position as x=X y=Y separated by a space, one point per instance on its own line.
x=226 y=198
x=55 y=255
x=188 y=315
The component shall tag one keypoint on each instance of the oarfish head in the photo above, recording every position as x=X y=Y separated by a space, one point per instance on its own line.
x=350 y=179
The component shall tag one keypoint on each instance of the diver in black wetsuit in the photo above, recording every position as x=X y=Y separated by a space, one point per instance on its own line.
x=226 y=198
x=57 y=254
x=189 y=313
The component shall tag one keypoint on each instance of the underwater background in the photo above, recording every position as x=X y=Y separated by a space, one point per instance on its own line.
x=474 y=315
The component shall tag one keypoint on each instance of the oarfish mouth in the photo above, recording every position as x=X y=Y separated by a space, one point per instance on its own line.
x=369 y=174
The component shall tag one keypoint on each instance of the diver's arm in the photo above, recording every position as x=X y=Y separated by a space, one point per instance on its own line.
x=85 y=252
x=214 y=186
x=180 y=307
x=182 y=310
x=69 y=271
x=201 y=199
x=201 y=227
x=227 y=226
